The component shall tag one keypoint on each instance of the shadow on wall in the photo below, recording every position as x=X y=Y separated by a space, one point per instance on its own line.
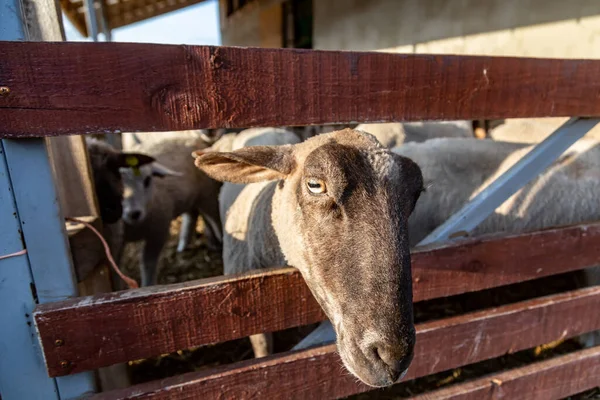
x=392 y=23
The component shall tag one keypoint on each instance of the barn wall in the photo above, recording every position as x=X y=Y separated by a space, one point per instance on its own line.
x=537 y=28
x=257 y=24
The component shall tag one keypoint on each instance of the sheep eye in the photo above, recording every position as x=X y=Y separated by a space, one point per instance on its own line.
x=316 y=186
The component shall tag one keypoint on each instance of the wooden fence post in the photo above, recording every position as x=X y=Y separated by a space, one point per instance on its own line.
x=31 y=221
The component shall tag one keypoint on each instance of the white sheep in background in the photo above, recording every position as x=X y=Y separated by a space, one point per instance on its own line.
x=225 y=142
x=394 y=134
x=260 y=136
x=190 y=136
x=567 y=192
x=532 y=130
x=308 y=131
x=159 y=192
x=246 y=137
x=458 y=169
x=334 y=206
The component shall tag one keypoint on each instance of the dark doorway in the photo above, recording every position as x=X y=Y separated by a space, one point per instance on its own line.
x=297 y=24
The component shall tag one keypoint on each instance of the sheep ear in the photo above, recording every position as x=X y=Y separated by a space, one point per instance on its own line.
x=247 y=165
x=412 y=180
x=161 y=171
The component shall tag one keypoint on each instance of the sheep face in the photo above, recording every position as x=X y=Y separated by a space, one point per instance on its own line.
x=340 y=211
x=106 y=163
x=138 y=188
x=109 y=188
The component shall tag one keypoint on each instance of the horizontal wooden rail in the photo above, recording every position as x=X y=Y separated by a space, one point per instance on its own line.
x=552 y=379
x=91 y=332
x=441 y=345
x=79 y=88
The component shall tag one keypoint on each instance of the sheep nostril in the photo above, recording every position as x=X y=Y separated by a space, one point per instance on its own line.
x=396 y=359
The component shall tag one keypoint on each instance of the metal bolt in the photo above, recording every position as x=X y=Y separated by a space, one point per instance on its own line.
x=59 y=342
x=4 y=90
x=64 y=364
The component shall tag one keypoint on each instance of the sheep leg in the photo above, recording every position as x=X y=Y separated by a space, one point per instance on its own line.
x=188 y=229
x=212 y=232
x=262 y=344
x=149 y=266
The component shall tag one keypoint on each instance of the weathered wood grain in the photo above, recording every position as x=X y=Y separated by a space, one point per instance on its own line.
x=441 y=345
x=556 y=378
x=106 y=87
x=106 y=329
x=98 y=281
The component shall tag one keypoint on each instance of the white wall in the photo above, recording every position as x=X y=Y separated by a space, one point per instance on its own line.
x=536 y=28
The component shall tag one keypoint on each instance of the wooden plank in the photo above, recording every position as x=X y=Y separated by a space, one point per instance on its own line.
x=42 y=20
x=155 y=87
x=552 y=379
x=74 y=181
x=106 y=329
x=208 y=311
x=441 y=345
x=115 y=376
x=496 y=260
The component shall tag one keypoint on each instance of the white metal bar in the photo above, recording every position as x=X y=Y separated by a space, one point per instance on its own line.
x=323 y=334
x=480 y=207
x=526 y=169
x=114 y=139
x=91 y=19
x=103 y=23
x=31 y=219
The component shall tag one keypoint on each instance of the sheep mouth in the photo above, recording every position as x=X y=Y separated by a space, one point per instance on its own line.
x=369 y=367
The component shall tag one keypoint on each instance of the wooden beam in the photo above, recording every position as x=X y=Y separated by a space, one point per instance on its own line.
x=114 y=376
x=496 y=260
x=105 y=329
x=441 y=345
x=155 y=87
x=552 y=379
x=75 y=185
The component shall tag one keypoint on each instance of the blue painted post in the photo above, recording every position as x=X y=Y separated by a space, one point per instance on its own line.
x=43 y=229
x=31 y=219
x=480 y=207
x=22 y=371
